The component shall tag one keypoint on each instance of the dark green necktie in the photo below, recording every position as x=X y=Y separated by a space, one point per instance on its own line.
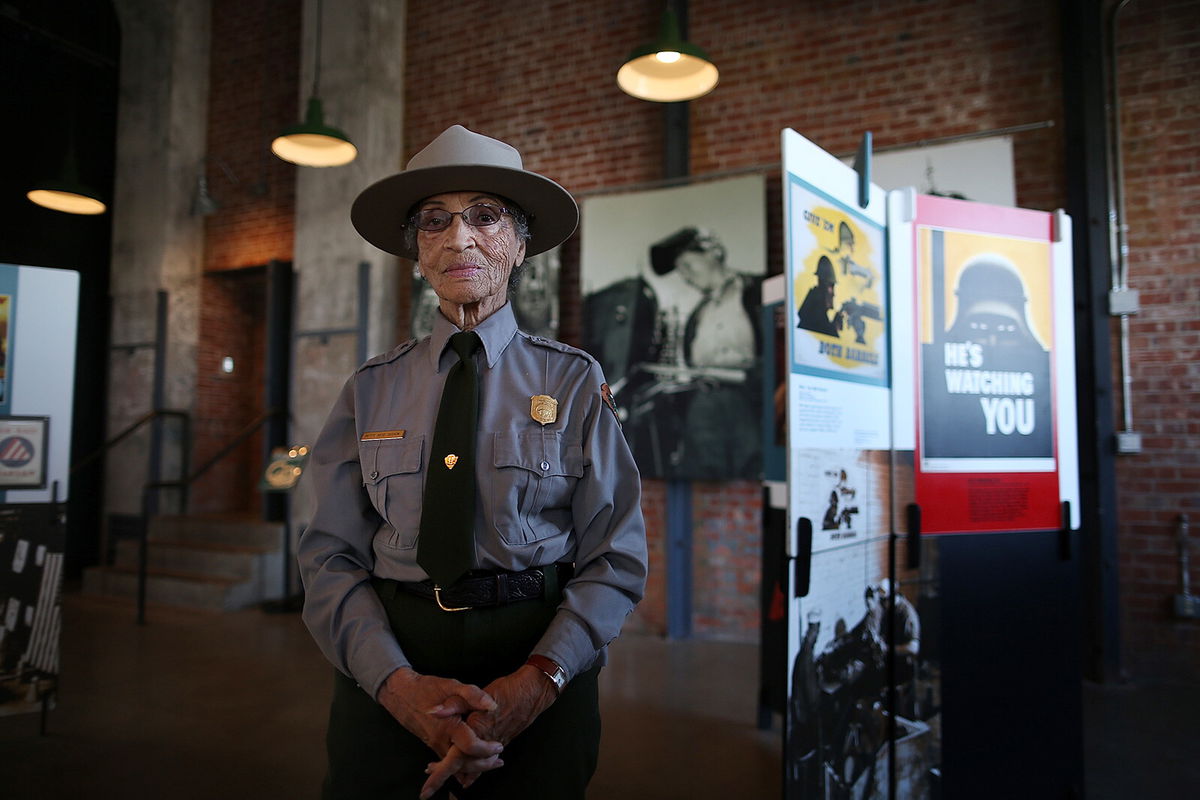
x=446 y=547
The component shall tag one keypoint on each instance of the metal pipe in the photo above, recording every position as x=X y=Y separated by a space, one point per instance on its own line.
x=1126 y=376
x=1117 y=229
x=773 y=167
x=1184 y=556
x=1116 y=210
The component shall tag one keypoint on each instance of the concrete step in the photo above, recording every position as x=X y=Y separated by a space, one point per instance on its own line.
x=216 y=562
x=238 y=562
x=172 y=588
x=216 y=529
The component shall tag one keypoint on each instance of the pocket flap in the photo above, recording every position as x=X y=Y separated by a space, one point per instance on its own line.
x=390 y=457
x=540 y=452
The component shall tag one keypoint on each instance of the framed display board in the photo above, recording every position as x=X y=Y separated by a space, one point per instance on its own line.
x=23 y=452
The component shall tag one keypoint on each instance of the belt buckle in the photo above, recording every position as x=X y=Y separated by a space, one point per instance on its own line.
x=437 y=596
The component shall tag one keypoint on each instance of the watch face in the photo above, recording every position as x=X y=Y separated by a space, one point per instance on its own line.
x=551 y=670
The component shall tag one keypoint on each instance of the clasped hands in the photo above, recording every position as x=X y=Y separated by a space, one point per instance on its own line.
x=466 y=726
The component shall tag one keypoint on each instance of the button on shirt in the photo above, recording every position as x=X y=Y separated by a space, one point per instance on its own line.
x=564 y=491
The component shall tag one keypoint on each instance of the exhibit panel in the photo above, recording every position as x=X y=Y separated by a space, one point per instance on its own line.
x=38 y=320
x=991 y=336
x=929 y=394
x=860 y=719
x=986 y=461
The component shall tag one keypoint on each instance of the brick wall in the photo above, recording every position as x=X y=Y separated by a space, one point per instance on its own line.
x=232 y=311
x=651 y=615
x=906 y=71
x=253 y=90
x=1158 y=60
x=726 y=559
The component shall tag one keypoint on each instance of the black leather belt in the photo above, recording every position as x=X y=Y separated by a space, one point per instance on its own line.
x=483 y=589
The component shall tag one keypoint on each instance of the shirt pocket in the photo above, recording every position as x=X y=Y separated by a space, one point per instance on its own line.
x=535 y=477
x=394 y=478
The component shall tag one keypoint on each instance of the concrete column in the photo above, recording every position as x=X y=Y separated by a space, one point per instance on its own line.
x=362 y=90
x=157 y=243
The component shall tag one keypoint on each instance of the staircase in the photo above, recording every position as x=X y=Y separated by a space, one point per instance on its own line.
x=212 y=562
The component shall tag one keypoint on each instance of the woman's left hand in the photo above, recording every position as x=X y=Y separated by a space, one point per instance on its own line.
x=520 y=697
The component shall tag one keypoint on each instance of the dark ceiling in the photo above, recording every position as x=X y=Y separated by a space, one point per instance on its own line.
x=58 y=81
x=58 y=88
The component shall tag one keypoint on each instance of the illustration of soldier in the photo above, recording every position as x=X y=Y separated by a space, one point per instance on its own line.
x=813 y=314
x=845 y=256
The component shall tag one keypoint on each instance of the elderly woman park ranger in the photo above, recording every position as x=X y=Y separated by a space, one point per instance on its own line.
x=477 y=540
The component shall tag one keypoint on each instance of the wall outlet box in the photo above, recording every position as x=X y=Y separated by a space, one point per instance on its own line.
x=1187 y=606
x=1129 y=442
x=1123 y=301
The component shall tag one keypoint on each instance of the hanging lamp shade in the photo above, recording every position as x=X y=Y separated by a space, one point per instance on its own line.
x=70 y=198
x=669 y=69
x=312 y=143
x=67 y=193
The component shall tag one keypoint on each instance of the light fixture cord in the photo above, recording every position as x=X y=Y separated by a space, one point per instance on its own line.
x=317 y=64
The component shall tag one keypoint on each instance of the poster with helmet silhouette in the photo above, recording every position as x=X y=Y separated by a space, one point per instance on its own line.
x=988 y=325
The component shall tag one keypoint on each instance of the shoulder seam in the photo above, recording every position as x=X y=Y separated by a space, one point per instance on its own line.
x=391 y=355
x=552 y=344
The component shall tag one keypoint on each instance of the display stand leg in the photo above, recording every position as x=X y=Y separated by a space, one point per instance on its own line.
x=288 y=603
x=45 y=712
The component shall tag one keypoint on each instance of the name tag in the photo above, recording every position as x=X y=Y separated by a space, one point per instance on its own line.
x=371 y=436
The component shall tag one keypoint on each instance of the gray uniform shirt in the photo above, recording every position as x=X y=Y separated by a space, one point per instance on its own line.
x=564 y=491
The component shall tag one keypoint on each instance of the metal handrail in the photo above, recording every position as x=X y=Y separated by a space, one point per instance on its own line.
x=184 y=484
x=129 y=431
x=245 y=433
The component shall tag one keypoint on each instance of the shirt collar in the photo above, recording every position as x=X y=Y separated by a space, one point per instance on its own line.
x=495 y=332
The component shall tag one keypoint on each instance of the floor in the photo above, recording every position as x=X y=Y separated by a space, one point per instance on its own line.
x=202 y=705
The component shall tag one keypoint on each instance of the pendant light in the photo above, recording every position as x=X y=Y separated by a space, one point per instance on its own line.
x=66 y=193
x=312 y=143
x=669 y=69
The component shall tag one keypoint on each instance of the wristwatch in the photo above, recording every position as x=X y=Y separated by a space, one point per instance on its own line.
x=551 y=670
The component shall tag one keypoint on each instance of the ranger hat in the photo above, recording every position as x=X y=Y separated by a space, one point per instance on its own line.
x=460 y=160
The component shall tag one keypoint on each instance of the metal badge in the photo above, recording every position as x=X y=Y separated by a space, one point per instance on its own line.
x=450 y=461
x=543 y=408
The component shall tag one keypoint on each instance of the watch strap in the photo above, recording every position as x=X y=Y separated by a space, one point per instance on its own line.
x=551 y=670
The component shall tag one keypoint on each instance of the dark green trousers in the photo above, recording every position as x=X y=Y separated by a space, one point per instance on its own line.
x=371 y=756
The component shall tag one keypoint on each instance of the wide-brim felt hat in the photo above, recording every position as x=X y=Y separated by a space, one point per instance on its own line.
x=459 y=160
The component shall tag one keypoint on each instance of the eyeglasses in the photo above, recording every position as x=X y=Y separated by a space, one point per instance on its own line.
x=480 y=215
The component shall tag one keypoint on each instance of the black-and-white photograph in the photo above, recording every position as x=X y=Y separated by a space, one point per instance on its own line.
x=841 y=712
x=672 y=282
x=865 y=673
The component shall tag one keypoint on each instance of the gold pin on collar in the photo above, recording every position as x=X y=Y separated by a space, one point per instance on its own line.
x=450 y=461
x=543 y=408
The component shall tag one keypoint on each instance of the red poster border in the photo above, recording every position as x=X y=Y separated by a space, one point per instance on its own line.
x=945 y=497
